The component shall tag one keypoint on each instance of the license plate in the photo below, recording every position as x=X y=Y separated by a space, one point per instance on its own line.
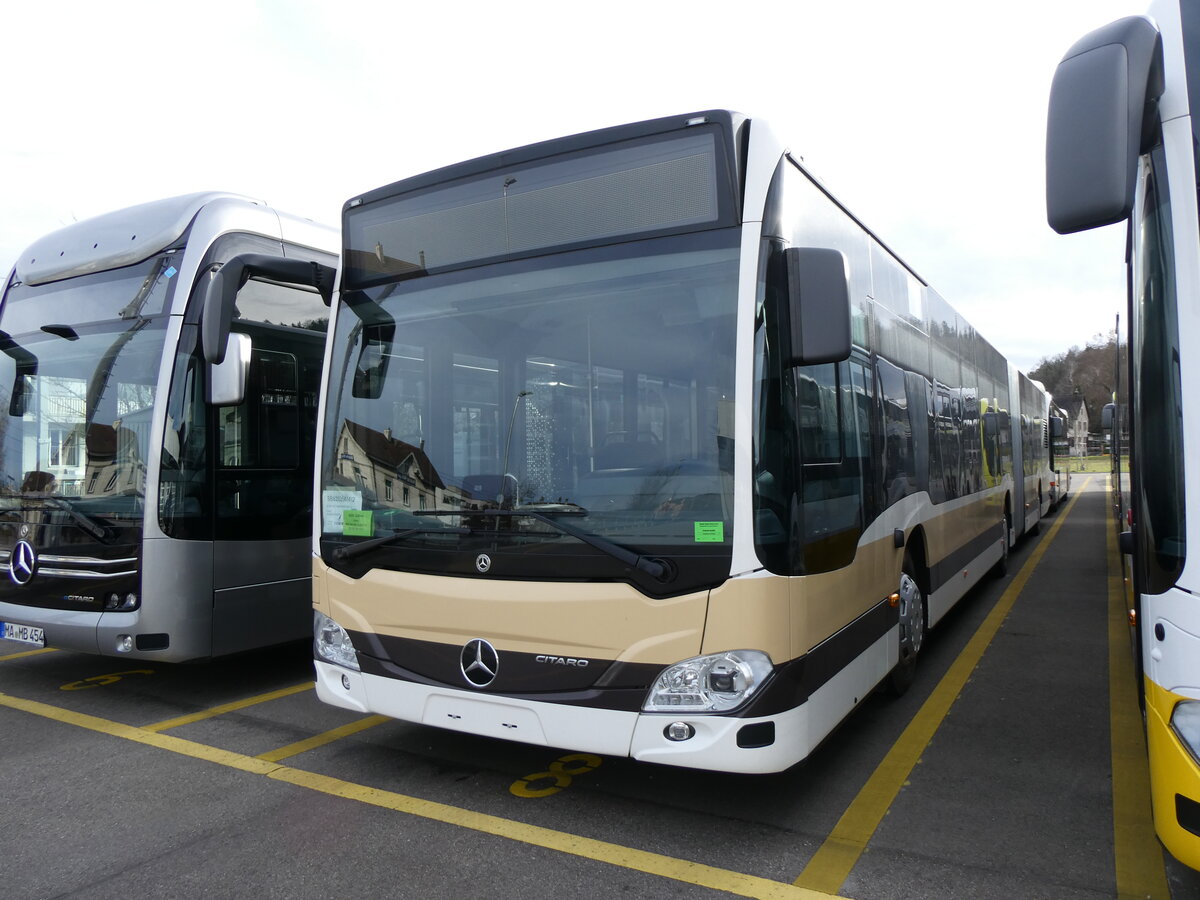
x=25 y=634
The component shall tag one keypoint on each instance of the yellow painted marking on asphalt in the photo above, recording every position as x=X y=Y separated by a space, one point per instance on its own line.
x=320 y=740
x=23 y=653
x=85 y=684
x=837 y=856
x=229 y=707
x=140 y=735
x=535 y=835
x=1137 y=853
x=538 y=836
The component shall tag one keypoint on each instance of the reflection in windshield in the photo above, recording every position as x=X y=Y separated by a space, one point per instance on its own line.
x=600 y=380
x=74 y=433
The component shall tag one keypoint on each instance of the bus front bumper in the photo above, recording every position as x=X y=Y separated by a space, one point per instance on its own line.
x=104 y=632
x=1174 y=779
x=719 y=743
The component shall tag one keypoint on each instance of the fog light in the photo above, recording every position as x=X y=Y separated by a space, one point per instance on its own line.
x=679 y=731
x=124 y=643
x=346 y=681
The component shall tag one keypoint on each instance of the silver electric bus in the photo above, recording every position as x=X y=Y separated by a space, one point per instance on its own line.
x=637 y=442
x=153 y=504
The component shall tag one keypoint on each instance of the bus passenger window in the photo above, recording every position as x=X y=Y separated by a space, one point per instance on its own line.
x=831 y=476
x=899 y=469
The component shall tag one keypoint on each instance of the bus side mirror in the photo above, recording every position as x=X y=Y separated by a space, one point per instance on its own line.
x=1125 y=543
x=1108 y=416
x=1103 y=114
x=819 y=303
x=227 y=379
x=220 y=294
x=1058 y=427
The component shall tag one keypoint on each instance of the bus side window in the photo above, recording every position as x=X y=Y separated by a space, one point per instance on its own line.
x=899 y=468
x=832 y=439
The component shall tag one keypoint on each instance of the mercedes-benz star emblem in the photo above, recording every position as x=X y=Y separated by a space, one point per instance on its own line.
x=483 y=562
x=479 y=662
x=22 y=563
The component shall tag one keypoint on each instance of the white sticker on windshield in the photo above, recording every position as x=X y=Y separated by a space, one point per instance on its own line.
x=334 y=503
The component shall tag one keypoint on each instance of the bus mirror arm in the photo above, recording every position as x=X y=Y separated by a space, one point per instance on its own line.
x=220 y=294
x=819 y=305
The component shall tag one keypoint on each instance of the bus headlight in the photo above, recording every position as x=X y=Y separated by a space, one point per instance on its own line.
x=714 y=683
x=331 y=642
x=1185 y=721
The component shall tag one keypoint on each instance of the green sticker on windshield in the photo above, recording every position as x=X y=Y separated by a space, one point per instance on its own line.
x=710 y=532
x=358 y=522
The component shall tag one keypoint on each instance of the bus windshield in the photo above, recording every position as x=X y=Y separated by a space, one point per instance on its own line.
x=592 y=387
x=78 y=374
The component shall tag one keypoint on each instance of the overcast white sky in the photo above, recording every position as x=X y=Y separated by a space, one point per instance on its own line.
x=926 y=118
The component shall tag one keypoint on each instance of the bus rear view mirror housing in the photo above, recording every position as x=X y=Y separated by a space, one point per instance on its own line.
x=370 y=372
x=1103 y=115
x=227 y=379
x=1107 y=416
x=1058 y=427
x=26 y=369
x=819 y=303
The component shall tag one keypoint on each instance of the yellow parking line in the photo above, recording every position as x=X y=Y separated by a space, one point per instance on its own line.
x=228 y=707
x=837 y=856
x=602 y=851
x=23 y=653
x=680 y=870
x=320 y=740
x=140 y=735
x=1138 y=856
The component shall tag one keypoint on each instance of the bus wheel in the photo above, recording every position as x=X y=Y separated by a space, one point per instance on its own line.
x=912 y=630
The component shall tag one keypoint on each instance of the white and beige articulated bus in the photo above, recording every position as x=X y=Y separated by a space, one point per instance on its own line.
x=637 y=442
x=1121 y=148
x=153 y=504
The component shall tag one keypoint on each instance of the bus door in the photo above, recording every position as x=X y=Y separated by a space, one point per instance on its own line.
x=264 y=450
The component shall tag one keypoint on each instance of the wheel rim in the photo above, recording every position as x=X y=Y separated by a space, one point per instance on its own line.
x=912 y=617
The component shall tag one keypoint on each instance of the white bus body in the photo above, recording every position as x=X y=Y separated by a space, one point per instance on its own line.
x=637 y=442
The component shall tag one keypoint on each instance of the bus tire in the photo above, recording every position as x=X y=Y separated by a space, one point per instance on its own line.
x=913 y=619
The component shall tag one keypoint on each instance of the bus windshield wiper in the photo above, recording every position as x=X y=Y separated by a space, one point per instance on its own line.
x=93 y=526
x=353 y=550
x=657 y=569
